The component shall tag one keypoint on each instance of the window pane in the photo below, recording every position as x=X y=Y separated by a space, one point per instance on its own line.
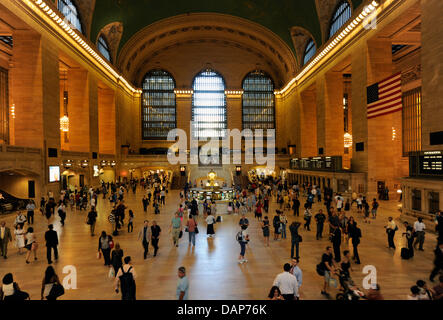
x=258 y=101
x=69 y=10
x=341 y=15
x=158 y=105
x=309 y=51
x=208 y=105
x=103 y=48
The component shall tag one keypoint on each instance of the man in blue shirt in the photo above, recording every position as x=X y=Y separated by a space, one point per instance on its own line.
x=296 y=271
x=182 y=285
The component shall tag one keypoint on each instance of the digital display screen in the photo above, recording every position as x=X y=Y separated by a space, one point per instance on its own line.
x=54 y=174
x=431 y=163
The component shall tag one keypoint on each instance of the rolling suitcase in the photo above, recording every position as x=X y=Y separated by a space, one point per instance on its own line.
x=405 y=254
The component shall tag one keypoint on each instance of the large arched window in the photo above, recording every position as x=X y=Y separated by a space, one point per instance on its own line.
x=103 y=48
x=209 y=105
x=339 y=18
x=309 y=51
x=258 y=101
x=158 y=105
x=69 y=10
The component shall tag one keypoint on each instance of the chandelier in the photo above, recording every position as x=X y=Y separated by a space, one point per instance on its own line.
x=347 y=140
x=64 y=123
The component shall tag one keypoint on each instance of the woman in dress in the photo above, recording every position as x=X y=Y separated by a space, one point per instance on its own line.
x=265 y=228
x=210 y=220
x=19 y=237
x=117 y=258
x=275 y=294
x=31 y=244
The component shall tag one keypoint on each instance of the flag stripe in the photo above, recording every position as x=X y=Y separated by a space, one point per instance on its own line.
x=385 y=113
x=370 y=107
x=389 y=96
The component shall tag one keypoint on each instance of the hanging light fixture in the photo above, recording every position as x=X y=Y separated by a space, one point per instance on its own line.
x=64 y=121
x=347 y=140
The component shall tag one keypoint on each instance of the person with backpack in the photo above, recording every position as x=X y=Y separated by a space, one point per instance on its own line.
x=10 y=291
x=242 y=238
x=125 y=280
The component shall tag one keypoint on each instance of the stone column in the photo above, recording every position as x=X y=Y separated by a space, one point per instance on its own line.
x=78 y=110
x=432 y=71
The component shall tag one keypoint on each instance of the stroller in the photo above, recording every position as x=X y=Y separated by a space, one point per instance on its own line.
x=350 y=291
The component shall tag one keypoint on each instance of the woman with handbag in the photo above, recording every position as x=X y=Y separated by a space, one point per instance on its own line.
x=191 y=228
x=31 y=244
x=51 y=286
x=104 y=244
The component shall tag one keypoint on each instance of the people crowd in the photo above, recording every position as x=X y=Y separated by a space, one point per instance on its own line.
x=335 y=220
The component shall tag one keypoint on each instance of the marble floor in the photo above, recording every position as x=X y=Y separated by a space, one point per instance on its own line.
x=212 y=265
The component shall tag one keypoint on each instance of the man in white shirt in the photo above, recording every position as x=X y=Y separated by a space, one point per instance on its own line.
x=419 y=229
x=287 y=283
x=296 y=271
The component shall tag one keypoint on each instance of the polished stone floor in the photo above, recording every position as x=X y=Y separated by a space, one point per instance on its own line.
x=212 y=265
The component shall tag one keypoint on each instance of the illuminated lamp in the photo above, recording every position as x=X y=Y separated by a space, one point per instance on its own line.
x=347 y=140
x=64 y=123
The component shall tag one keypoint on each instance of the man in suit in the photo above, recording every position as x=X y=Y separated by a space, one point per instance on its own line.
x=51 y=243
x=5 y=235
x=145 y=235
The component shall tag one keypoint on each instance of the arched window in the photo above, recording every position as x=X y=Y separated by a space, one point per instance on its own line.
x=209 y=105
x=309 y=51
x=69 y=10
x=158 y=105
x=258 y=101
x=339 y=18
x=103 y=48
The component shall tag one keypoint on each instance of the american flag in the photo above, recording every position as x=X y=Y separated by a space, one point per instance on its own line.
x=384 y=97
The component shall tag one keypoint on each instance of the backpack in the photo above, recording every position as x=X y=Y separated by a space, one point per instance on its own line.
x=239 y=236
x=320 y=269
x=127 y=285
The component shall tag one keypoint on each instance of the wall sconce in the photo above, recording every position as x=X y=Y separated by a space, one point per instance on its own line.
x=238 y=170
x=394 y=133
x=68 y=164
x=12 y=112
x=84 y=163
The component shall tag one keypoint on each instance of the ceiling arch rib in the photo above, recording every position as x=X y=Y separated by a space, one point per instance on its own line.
x=113 y=34
x=218 y=28
x=300 y=37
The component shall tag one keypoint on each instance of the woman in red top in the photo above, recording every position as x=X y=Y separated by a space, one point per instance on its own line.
x=258 y=210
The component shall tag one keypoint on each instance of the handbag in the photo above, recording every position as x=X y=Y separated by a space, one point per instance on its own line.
x=99 y=255
x=111 y=244
x=180 y=235
x=196 y=230
x=57 y=290
x=111 y=273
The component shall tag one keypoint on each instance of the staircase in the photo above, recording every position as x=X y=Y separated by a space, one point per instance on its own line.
x=178 y=182
x=242 y=181
x=10 y=203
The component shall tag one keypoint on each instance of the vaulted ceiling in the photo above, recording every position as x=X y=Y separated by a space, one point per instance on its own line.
x=279 y=16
